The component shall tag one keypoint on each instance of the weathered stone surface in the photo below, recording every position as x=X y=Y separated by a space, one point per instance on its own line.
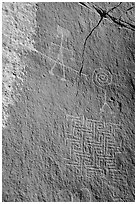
x=68 y=102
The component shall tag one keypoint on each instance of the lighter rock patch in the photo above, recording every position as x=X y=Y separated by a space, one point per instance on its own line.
x=18 y=29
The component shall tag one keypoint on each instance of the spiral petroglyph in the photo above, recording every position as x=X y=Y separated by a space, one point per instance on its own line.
x=102 y=77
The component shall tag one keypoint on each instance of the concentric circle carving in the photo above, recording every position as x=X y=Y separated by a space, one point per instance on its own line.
x=102 y=77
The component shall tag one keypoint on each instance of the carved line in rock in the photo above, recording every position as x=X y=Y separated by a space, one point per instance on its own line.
x=58 y=62
x=106 y=105
x=59 y=56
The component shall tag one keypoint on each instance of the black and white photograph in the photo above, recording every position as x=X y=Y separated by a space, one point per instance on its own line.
x=68 y=101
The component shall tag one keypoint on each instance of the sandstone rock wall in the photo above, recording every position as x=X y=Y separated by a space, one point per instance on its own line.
x=68 y=102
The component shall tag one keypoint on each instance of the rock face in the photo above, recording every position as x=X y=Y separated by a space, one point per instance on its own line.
x=68 y=102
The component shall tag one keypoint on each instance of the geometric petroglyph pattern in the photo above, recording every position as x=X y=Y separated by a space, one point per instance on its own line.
x=57 y=52
x=106 y=106
x=92 y=146
x=61 y=57
x=101 y=78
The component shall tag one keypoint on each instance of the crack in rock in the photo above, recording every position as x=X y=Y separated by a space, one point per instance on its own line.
x=103 y=14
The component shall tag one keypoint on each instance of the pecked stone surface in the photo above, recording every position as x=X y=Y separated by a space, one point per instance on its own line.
x=68 y=102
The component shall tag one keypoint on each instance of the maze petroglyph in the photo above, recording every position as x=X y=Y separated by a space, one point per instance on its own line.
x=92 y=145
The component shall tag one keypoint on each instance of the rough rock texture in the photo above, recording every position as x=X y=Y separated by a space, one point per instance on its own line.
x=68 y=102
